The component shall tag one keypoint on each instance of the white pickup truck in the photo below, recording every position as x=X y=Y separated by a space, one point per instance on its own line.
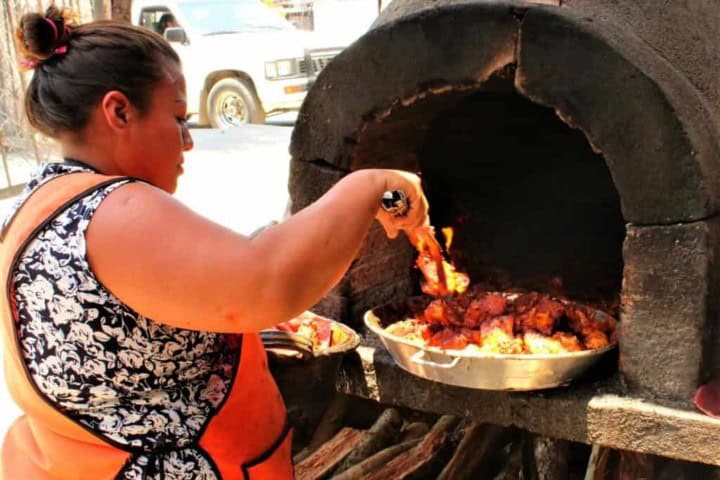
x=242 y=60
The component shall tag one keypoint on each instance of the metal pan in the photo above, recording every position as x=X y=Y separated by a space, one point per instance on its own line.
x=477 y=370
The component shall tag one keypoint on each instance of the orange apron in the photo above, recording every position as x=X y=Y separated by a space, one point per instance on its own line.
x=247 y=439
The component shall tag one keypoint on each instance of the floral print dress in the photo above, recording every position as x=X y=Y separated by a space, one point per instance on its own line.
x=147 y=388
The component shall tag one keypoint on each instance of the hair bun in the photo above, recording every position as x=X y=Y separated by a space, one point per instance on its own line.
x=39 y=36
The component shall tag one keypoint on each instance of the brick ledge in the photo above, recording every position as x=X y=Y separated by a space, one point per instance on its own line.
x=593 y=412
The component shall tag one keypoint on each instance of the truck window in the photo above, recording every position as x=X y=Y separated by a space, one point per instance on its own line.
x=213 y=18
x=150 y=18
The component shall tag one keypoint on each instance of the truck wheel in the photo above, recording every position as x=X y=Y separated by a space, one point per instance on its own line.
x=232 y=102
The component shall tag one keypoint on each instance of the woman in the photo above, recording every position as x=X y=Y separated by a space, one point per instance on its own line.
x=130 y=326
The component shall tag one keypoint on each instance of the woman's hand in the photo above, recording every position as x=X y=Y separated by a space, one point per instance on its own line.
x=416 y=216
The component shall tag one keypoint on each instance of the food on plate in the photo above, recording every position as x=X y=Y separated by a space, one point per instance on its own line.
x=320 y=331
x=501 y=323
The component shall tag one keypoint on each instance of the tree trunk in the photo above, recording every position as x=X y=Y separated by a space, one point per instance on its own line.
x=12 y=81
x=121 y=10
x=102 y=10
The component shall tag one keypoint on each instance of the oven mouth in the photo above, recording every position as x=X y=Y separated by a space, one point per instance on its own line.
x=531 y=203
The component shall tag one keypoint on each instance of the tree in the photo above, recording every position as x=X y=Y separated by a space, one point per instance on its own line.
x=17 y=139
x=121 y=10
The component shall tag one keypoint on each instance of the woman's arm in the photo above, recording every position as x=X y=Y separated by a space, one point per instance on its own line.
x=176 y=267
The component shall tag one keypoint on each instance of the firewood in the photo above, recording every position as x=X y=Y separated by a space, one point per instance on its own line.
x=608 y=462
x=478 y=443
x=369 y=465
x=513 y=465
x=414 y=430
x=321 y=462
x=383 y=433
x=549 y=458
x=594 y=463
x=419 y=461
x=329 y=425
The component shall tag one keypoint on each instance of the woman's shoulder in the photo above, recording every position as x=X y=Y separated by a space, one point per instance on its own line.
x=45 y=172
x=135 y=199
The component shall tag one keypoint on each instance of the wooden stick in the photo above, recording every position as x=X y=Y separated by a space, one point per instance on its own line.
x=478 y=442
x=383 y=433
x=512 y=470
x=593 y=462
x=414 y=430
x=371 y=464
x=329 y=425
x=549 y=458
x=416 y=462
x=327 y=457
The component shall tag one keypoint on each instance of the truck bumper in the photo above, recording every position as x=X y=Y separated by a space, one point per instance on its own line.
x=283 y=94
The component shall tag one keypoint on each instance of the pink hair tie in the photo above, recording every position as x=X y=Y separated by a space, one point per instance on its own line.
x=55 y=29
x=29 y=63
x=62 y=49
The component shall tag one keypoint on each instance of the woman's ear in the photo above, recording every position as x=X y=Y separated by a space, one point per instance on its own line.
x=116 y=110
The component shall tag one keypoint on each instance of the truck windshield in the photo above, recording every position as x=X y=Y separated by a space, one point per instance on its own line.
x=214 y=18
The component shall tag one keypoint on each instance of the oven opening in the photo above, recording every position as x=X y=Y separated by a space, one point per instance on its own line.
x=532 y=204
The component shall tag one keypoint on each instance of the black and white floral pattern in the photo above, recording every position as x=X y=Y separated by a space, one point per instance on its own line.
x=185 y=464
x=139 y=384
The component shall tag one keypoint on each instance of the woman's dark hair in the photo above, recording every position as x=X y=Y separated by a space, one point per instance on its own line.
x=76 y=65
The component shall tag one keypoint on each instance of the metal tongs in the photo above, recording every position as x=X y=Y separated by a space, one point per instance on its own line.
x=396 y=203
x=278 y=339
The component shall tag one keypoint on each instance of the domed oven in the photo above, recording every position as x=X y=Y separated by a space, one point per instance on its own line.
x=573 y=147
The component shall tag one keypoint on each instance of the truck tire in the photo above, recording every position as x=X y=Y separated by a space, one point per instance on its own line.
x=232 y=102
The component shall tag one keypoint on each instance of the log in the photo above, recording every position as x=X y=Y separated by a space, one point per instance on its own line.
x=549 y=458
x=321 y=462
x=479 y=442
x=608 y=463
x=383 y=433
x=414 y=430
x=635 y=465
x=512 y=468
x=329 y=425
x=371 y=464
x=419 y=461
x=593 y=463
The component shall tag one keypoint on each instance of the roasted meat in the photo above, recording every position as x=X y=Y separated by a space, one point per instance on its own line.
x=569 y=341
x=444 y=313
x=490 y=322
x=594 y=339
x=449 y=339
x=487 y=306
x=441 y=278
x=594 y=333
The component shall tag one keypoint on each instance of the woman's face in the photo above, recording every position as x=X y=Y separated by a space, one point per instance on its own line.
x=160 y=136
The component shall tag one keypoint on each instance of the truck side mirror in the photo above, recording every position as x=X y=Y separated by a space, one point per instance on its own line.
x=176 y=35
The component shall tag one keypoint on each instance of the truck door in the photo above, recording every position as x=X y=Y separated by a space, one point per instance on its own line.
x=159 y=19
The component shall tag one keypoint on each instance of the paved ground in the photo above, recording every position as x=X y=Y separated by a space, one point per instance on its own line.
x=237 y=177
